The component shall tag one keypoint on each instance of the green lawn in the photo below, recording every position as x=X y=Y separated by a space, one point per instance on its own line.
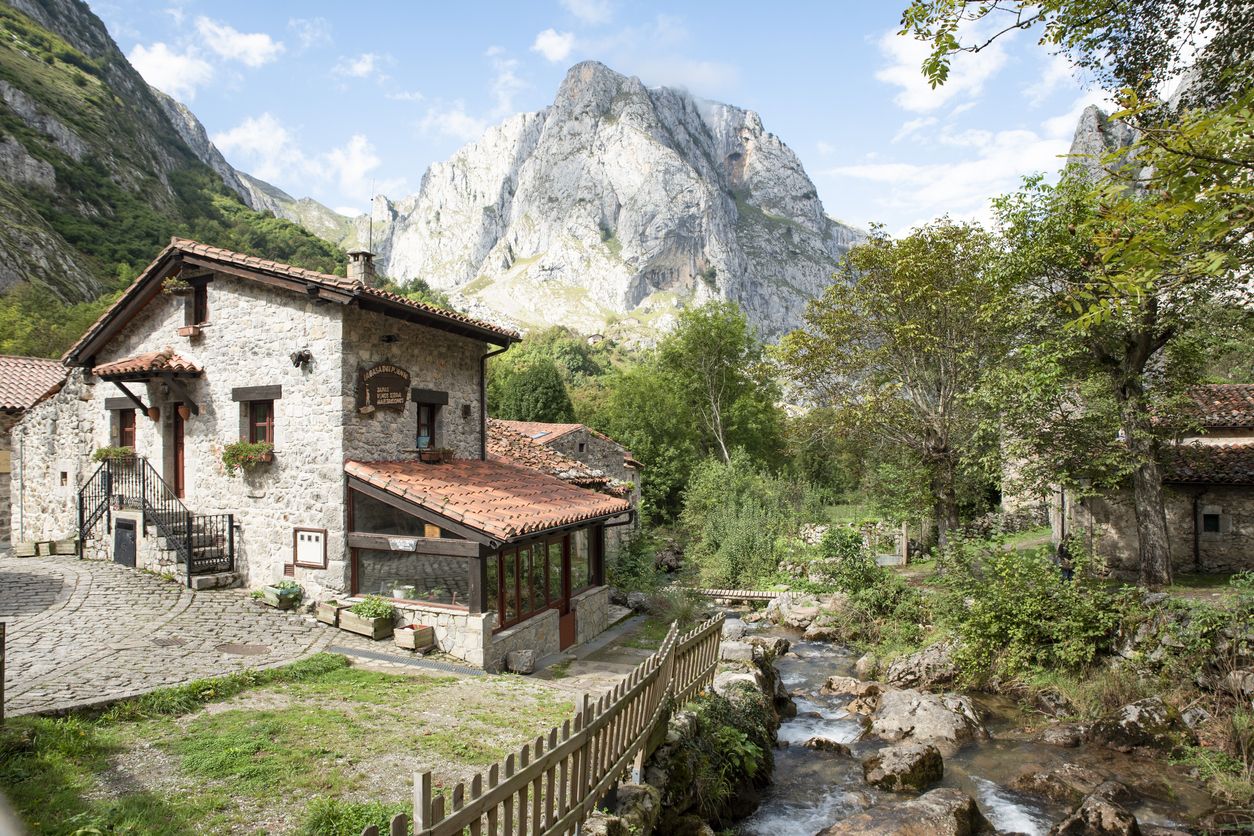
x=317 y=748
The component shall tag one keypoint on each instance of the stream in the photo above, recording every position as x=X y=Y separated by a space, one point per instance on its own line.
x=814 y=789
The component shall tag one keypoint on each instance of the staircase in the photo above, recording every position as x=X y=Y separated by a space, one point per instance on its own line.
x=202 y=545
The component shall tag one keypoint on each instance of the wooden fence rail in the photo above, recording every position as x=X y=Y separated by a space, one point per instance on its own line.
x=552 y=784
x=736 y=594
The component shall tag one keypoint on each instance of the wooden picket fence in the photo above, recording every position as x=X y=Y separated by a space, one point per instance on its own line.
x=551 y=786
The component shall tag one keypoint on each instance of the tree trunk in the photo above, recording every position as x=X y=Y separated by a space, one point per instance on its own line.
x=1154 y=551
x=944 y=501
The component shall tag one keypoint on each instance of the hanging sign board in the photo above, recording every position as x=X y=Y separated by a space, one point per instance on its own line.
x=383 y=387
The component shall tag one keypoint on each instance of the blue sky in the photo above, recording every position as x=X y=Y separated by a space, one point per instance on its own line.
x=323 y=99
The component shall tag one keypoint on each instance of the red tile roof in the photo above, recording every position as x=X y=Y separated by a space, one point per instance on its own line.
x=24 y=380
x=543 y=433
x=183 y=246
x=506 y=444
x=504 y=501
x=1209 y=464
x=1227 y=405
x=152 y=362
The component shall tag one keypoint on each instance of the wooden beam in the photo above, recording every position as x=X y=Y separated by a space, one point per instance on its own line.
x=443 y=546
x=299 y=285
x=180 y=392
x=134 y=398
x=122 y=315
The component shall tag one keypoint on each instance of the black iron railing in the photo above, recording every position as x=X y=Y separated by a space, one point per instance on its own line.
x=203 y=543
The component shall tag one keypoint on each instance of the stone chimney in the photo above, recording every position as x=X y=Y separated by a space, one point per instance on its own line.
x=361 y=266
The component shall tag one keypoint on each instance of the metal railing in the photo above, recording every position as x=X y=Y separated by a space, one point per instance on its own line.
x=202 y=543
x=551 y=786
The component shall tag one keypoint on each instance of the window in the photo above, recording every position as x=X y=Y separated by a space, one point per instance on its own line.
x=261 y=421
x=126 y=428
x=580 y=562
x=426 y=426
x=196 y=306
x=1210 y=523
x=583 y=447
x=309 y=548
x=411 y=576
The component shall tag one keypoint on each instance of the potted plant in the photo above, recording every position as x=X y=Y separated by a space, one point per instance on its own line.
x=283 y=595
x=245 y=455
x=415 y=637
x=113 y=454
x=371 y=616
x=328 y=612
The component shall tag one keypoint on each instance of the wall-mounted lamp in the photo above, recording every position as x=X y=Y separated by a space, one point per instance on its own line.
x=302 y=358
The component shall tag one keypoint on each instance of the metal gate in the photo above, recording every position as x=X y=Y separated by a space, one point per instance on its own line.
x=124 y=542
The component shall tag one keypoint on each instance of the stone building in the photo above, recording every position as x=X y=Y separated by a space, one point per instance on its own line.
x=1208 y=490
x=23 y=382
x=596 y=450
x=361 y=418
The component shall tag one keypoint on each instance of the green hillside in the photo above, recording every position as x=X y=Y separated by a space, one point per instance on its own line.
x=94 y=180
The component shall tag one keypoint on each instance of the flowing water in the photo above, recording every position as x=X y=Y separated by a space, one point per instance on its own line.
x=813 y=789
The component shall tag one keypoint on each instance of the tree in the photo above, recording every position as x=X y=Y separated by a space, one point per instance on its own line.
x=715 y=359
x=535 y=392
x=1093 y=400
x=897 y=344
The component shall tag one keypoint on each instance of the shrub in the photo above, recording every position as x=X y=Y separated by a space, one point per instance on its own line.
x=1012 y=611
x=372 y=606
x=112 y=454
x=846 y=563
x=634 y=569
x=333 y=817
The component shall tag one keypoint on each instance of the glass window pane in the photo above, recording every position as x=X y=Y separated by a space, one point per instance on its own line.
x=492 y=598
x=555 y=572
x=371 y=516
x=409 y=576
x=511 y=585
x=537 y=579
x=580 y=566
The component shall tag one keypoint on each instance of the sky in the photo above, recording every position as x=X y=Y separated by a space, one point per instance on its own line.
x=339 y=101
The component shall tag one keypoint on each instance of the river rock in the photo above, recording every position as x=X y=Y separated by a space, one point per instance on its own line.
x=932 y=667
x=1064 y=735
x=905 y=767
x=520 y=661
x=823 y=633
x=734 y=628
x=866 y=666
x=1069 y=783
x=1239 y=683
x=1097 y=816
x=1149 y=722
x=638 y=601
x=773 y=647
x=946 y=720
x=939 y=812
x=824 y=744
x=730 y=651
x=849 y=685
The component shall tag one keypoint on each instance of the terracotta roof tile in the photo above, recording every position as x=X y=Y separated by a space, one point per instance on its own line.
x=1209 y=464
x=153 y=362
x=506 y=444
x=543 y=433
x=504 y=501
x=1229 y=405
x=24 y=380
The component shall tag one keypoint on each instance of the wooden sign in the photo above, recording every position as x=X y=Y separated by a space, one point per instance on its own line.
x=382 y=387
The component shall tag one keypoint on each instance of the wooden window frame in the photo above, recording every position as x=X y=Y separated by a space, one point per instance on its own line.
x=296 y=532
x=196 y=306
x=433 y=410
x=267 y=425
x=126 y=421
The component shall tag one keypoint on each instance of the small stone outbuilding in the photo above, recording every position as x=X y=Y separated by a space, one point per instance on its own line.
x=23 y=382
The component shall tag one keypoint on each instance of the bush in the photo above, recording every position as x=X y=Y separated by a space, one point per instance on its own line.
x=1012 y=611
x=372 y=606
x=110 y=454
x=245 y=455
x=634 y=569
x=333 y=817
x=845 y=561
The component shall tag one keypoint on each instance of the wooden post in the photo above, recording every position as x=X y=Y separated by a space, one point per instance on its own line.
x=422 y=801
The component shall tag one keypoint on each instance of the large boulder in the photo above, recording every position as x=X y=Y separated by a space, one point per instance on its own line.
x=773 y=647
x=946 y=720
x=823 y=633
x=520 y=661
x=1064 y=735
x=1146 y=723
x=866 y=666
x=940 y=812
x=825 y=744
x=734 y=628
x=1069 y=783
x=930 y=668
x=637 y=601
x=1097 y=816
x=906 y=767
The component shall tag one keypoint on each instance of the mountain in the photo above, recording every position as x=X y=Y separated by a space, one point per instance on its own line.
x=1096 y=136
x=97 y=170
x=617 y=203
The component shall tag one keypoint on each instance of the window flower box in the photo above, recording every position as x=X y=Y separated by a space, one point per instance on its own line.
x=328 y=612
x=190 y=331
x=415 y=637
x=245 y=455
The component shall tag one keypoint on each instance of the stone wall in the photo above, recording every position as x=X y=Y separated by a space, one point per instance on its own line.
x=7 y=420
x=1108 y=525
x=460 y=634
x=592 y=613
x=435 y=360
x=607 y=456
x=539 y=633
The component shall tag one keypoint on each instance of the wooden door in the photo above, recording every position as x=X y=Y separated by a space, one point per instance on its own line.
x=566 y=616
x=177 y=480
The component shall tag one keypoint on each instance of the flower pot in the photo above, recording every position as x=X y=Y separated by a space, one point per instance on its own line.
x=185 y=412
x=404 y=593
x=154 y=413
x=282 y=599
x=328 y=612
x=375 y=628
x=430 y=456
x=65 y=547
x=415 y=637
x=44 y=547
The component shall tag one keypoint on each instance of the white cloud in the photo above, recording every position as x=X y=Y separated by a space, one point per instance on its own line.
x=360 y=66
x=826 y=149
x=265 y=145
x=353 y=163
x=1057 y=72
x=311 y=32
x=453 y=120
x=252 y=49
x=701 y=77
x=176 y=72
x=913 y=126
x=553 y=45
x=904 y=70
x=505 y=83
x=405 y=96
x=591 y=12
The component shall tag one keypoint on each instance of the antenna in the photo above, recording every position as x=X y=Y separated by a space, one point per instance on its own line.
x=370 y=234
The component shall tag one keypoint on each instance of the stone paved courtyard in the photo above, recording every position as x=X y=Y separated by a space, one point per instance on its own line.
x=80 y=632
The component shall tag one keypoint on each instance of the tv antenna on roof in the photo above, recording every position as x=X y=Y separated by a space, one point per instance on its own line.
x=370 y=225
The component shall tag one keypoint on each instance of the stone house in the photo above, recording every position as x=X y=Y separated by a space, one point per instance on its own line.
x=596 y=450
x=364 y=413
x=23 y=382
x=1208 y=490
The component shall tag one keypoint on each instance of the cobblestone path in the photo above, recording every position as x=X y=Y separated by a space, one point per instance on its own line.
x=80 y=632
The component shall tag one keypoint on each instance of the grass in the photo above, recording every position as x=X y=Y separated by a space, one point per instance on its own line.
x=207 y=757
